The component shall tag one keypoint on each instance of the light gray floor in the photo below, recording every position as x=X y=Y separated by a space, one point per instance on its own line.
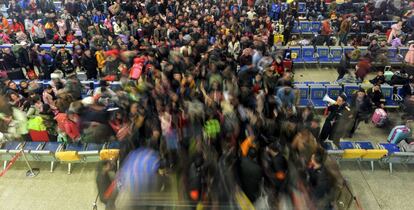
x=51 y=191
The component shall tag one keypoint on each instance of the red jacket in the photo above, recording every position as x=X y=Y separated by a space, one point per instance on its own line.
x=326 y=28
x=16 y=27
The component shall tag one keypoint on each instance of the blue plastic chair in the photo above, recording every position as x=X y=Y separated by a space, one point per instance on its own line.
x=333 y=90
x=346 y=145
x=392 y=148
x=47 y=153
x=306 y=27
x=350 y=89
x=395 y=155
x=392 y=55
x=316 y=26
x=324 y=56
x=47 y=47
x=336 y=53
x=308 y=54
x=388 y=92
x=303 y=94
x=296 y=28
x=91 y=152
x=365 y=144
x=302 y=8
x=387 y=24
x=112 y=145
x=348 y=49
x=317 y=92
x=298 y=51
x=75 y=147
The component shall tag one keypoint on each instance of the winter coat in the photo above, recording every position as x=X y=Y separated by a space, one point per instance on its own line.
x=251 y=175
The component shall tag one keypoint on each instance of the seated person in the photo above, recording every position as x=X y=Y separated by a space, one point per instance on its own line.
x=379 y=79
x=376 y=97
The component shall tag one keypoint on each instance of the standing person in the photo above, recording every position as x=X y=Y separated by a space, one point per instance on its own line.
x=104 y=179
x=344 y=30
x=344 y=65
x=45 y=63
x=10 y=63
x=361 y=107
x=326 y=31
x=234 y=47
x=90 y=65
x=251 y=175
x=37 y=32
x=362 y=68
x=321 y=181
x=331 y=128
x=100 y=59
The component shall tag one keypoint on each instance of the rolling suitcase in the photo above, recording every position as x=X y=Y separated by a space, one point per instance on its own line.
x=398 y=133
x=379 y=118
x=388 y=73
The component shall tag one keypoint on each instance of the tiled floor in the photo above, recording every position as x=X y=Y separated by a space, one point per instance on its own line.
x=51 y=191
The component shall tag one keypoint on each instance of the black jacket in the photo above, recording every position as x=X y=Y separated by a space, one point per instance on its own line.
x=408 y=90
x=89 y=64
x=9 y=61
x=250 y=175
x=376 y=97
x=320 y=183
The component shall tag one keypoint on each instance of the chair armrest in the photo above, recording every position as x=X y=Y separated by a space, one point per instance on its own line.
x=94 y=152
x=41 y=152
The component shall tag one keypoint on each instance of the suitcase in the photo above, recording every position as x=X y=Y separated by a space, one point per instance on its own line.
x=379 y=118
x=81 y=75
x=388 y=73
x=398 y=133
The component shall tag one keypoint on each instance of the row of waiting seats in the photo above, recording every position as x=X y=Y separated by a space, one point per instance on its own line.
x=47 y=47
x=367 y=151
x=333 y=55
x=59 y=152
x=87 y=86
x=312 y=27
x=312 y=94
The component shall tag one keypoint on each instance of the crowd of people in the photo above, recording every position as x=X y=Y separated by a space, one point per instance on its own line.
x=202 y=83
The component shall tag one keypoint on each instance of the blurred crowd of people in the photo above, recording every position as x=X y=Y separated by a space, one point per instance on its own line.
x=202 y=85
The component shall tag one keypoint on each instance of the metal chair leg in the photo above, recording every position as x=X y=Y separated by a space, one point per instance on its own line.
x=390 y=164
x=69 y=168
x=372 y=165
x=52 y=166
x=4 y=164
